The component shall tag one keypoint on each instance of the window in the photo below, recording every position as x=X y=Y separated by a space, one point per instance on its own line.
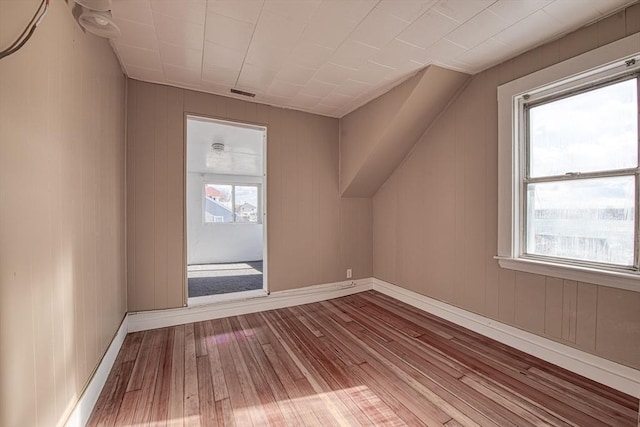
x=568 y=169
x=231 y=203
x=580 y=175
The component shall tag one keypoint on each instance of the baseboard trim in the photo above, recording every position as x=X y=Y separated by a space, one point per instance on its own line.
x=145 y=320
x=615 y=375
x=82 y=411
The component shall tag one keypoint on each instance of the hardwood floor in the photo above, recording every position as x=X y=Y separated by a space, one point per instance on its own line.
x=365 y=359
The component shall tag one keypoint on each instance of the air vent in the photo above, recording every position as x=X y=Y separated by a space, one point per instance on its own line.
x=243 y=93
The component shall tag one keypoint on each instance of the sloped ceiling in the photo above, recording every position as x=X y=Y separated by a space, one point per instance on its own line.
x=375 y=138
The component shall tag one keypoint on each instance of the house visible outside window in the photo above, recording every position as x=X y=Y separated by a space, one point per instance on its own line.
x=568 y=169
x=230 y=203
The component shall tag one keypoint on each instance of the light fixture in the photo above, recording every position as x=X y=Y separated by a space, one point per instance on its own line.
x=217 y=147
x=96 y=18
x=99 y=23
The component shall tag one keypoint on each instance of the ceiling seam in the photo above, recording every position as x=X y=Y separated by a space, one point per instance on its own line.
x=244 y=58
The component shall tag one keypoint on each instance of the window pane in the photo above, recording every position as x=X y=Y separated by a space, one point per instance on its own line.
x=218 y=203
x=246 y=203
x=591 y=131
x=590 y=219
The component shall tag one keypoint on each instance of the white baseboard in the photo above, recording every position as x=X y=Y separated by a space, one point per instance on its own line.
x=145 y=320
x=82 y=411
x=604 y=371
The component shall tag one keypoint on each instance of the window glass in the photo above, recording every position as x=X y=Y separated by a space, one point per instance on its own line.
x=585 y=219
x=591 y=131
x=246 y=203
x=218 y=203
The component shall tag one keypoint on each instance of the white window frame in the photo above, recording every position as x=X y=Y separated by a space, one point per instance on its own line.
x=600 y=64
x=233 y=185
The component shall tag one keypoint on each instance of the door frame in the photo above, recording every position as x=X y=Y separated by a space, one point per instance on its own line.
x=265 y=252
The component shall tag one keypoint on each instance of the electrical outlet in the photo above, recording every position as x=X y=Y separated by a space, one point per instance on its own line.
x=349 y=273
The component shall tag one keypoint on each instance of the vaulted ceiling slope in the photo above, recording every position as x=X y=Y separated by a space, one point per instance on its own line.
x=330 y=56
x=375 y=138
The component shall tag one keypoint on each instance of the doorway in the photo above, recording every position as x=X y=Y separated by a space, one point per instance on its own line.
x=225 y=210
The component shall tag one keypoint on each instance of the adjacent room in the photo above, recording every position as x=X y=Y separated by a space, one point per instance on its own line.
x=225 y=199
x=319 y=212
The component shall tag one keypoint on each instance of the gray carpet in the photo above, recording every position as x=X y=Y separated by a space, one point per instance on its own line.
x=215 y=279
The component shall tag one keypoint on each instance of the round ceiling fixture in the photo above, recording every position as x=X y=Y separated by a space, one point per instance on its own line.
x=217 y=147
x=99 y=23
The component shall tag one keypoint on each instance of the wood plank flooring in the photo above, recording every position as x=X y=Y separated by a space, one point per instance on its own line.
x=364 y=359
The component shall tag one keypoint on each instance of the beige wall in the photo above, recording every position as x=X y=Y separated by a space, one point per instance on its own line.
x=62 y=283
x=313 y=234
x=435 y=220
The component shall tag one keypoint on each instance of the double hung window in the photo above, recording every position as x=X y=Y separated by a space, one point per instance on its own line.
x=569 y=169
x=580 y=175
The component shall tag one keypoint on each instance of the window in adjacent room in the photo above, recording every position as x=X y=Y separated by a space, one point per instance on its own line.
x=229 y=203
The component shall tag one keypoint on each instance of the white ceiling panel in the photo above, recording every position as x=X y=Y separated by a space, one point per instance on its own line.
x=566 y=10
x=490 y=49
x=477 y=29
x=330 y=56
x=379 y=28
x=398 y=53
x=353 y=88
x=245 y=10
x=134 y=10
x=318 y=88
x=146 y=74
x=277 y=30
x=305 y=101
x=177 y=32
x=352 y=54
x=442 y=51
x=297 y=74
x=514 y=11
x=269 y=56
x=181 y=56
x=283 y=89
x=182 y=75
x=216 y=55
x=191 y=11
x=310 y=55
x=225 y=76
x=139 y=57
x=292 y=10
x=336 y=99
x=329 y=33
x=524 y=32
x=407 y=10
x=334 y=73
x=256 y=77
x=428 y=29
x=462 y=10
x=228 y=32
x=373 y=73
x=138 y=34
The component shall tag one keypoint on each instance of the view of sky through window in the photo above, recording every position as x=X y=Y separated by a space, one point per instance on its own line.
x=592 y=217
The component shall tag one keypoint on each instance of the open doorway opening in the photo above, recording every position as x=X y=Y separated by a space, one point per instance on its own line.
x=226 y=233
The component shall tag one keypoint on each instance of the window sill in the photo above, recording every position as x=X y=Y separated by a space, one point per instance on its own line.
x=613 y=279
